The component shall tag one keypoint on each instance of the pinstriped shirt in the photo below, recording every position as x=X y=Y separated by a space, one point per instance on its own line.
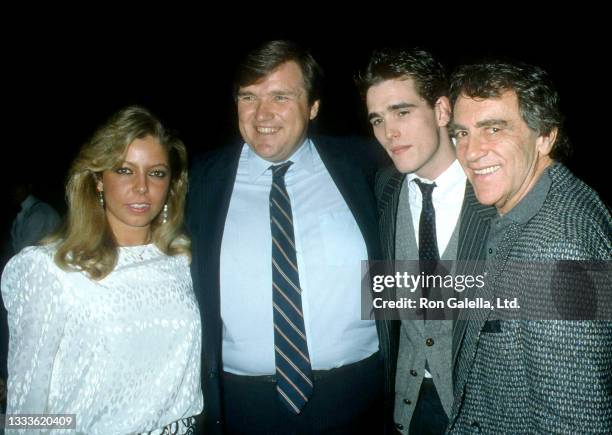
x=329 y=248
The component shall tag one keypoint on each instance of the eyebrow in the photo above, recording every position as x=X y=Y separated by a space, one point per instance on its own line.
x=491 y=122
x=126 y=162
x=392 y=108
x=454 y=126
x=286 y=92
x=276 y=92
x=480 y=124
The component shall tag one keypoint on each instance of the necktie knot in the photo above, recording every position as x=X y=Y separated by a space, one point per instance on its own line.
x=279 y=171
x=426 y=188
x=428 y=246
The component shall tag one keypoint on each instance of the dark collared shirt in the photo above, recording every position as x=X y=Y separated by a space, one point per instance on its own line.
x=526 y=209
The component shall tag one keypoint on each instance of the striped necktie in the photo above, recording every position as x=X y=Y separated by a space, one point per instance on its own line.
x=293 y=371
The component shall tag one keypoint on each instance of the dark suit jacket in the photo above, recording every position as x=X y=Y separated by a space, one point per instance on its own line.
x=212 y=180
x=473 y=232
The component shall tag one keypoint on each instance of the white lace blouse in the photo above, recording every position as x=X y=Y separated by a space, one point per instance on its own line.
x=123 y=353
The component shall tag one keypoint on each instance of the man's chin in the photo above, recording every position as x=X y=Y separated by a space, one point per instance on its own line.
x=403 y=167
x=264 y=150
x=485 y=198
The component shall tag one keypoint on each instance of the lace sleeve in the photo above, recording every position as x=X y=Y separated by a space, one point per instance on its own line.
x=32 y=294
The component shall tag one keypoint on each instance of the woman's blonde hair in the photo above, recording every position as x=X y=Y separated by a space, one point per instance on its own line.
x=86 y=242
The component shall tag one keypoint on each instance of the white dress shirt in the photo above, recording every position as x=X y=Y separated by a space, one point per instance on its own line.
x=447 y=198
x=330 y=248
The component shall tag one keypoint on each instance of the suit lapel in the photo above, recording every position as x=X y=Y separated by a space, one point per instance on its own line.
x=405 y=244
x=218 y=188
x=388 y=204
x=473 y=320
x=473 y=234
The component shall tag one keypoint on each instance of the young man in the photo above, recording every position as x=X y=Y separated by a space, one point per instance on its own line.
x=427 y=212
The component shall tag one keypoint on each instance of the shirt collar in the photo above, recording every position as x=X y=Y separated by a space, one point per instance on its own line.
x=302 y=158
x=447 y=180
x=532 y=202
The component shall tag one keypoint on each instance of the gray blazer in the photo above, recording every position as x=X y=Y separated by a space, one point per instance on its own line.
x=397 y=237
x=553 y=376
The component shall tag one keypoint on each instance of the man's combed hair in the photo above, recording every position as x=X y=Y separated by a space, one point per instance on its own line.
x=265 y=59
x=537 y=97
x=429 y=75
x=86 y=242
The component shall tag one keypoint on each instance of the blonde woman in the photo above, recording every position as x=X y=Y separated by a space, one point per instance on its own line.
x=103 y=320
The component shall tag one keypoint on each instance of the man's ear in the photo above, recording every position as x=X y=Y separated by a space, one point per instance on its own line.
x=545 y=142
x=442 y=110
x=314 y=109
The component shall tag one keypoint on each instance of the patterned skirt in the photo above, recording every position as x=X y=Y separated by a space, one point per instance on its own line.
x=184 y=426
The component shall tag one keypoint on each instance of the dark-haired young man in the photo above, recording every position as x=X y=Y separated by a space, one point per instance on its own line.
x=427 y=212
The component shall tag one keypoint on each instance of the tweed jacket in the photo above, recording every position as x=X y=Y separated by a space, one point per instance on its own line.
x=539 y=376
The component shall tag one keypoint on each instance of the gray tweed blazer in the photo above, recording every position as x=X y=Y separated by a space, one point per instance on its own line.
x=539 y=376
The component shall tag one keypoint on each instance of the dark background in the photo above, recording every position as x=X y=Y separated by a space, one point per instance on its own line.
x=60 y=81
x=60 y=87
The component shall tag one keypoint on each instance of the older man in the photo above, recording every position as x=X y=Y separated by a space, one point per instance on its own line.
x=517 y=375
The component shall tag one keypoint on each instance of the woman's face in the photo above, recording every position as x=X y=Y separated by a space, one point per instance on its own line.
x=135 y=193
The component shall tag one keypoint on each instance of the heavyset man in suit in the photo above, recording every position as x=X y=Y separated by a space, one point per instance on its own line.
x=521 y=375
x=280 y=223
x=406 y=93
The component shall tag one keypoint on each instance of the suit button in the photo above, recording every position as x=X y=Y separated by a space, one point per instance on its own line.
x=399 y=426
x=429 y=342
x=490 y=250
x=407 y=402
x=413 y=372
